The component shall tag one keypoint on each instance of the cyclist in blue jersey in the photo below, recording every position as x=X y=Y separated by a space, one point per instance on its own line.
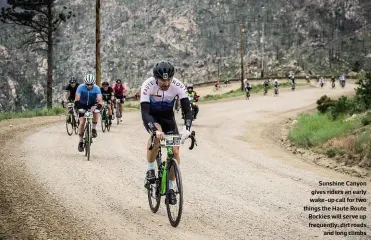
x=88 y=96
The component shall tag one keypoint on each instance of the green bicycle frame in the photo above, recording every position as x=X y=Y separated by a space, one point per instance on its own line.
x=89 y=119
x=170 y=155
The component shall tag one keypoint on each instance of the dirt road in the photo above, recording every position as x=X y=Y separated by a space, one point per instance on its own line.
x=232 y=189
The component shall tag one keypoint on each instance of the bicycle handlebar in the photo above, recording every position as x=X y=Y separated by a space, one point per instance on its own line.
x=192 y=136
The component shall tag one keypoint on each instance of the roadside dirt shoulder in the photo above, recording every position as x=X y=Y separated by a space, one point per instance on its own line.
x=26 y=211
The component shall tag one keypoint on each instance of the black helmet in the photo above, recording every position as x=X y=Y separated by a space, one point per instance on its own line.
x=105 y=84
x=163 y=70
x=72 y=79
x=118 y=81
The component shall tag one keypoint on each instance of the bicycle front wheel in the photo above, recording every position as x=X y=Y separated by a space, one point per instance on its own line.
x=174 y=211
x=103 y=121
x=88 y=139
x=154 y=196
x=69 y=125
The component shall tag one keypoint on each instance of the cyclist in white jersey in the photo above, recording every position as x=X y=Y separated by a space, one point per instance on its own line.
x=157 y=100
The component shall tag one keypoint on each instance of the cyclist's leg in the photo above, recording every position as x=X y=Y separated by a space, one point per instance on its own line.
x=121 y=105
x=81 y=128
x=95 y=122
x=195 y=107
x=109 y=106
x=151 y=155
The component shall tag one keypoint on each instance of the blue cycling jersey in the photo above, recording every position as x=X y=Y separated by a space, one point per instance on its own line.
x=88 y=97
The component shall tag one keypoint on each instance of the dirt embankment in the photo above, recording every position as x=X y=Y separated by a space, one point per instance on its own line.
x=26 y=210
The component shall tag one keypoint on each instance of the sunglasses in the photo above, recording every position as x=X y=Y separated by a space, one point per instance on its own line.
x=89 y=85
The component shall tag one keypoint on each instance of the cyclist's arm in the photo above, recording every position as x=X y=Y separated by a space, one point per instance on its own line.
x=146 y=116
x=77 y=95
x=99 y=96
x=66 y=95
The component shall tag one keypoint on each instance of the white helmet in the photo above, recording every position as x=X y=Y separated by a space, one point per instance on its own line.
x=89 y=79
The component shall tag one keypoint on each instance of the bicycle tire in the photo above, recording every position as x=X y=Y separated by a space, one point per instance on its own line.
x=88 y=143
x=178 y=179
x=103 y=117
x=69 y=124
x=75 y=125
x=108 y=126
x=154 y=206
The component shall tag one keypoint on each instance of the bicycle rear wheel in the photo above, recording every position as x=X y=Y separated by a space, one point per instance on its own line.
x=69 y=125
x=174 y=212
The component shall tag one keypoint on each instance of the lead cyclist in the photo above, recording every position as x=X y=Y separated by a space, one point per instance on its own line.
x=157 y=100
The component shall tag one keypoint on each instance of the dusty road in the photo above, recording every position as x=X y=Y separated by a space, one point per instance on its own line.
x=232 y=189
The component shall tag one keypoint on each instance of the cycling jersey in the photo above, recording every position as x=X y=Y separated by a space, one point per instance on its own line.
x=72 y=91
x=88 y=97
x=119 y=90
x=106 y=94
x=157 y=105
x=192 y=96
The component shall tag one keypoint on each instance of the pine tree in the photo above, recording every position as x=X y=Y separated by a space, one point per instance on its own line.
x=41 y=21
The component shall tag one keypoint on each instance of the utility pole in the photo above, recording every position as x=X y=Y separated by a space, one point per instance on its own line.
x=242 y=52
x=262 y=43
x=97 y=43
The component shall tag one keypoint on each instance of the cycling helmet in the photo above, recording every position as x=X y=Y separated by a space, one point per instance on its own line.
x=118 y=81
x=105 y=84
x=72 y=80
x=163 y=70
x=89 y=79
x=189 y=85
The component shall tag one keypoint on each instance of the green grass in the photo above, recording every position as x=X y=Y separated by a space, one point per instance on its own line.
x=238 y=93
x=32 y=113
x=316 y=129
x=132 y=104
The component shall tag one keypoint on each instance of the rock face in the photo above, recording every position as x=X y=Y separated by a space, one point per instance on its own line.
x=200 y=37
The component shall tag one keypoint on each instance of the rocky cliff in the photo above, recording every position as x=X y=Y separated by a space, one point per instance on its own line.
x=201 y=37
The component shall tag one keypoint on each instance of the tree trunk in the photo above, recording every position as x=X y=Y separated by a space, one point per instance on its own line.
x=49 y=81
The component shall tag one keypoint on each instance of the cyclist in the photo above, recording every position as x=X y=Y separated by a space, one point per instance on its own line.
x=333 y=81
x=87 y=96
x=275 y=85
x=292 y=82
x=70 y=92
x=342 y=80
x=193 y=98
x=119 y=91
x=107 y=95
x=217 y=85
x=321 y=81
x=266 y=85
x=177 y=104
x=156 y=102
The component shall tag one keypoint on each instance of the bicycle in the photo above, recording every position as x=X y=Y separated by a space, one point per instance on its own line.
x=118 y=111
x=292 y=86
x=275 y=91
x=265 y=90
x=160 y=187
x=247 y=90
x=88 y=133
x=333 y=85
x=104 y=119
x=71 y=119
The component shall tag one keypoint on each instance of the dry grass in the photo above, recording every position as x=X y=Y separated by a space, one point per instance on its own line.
x=346 y=143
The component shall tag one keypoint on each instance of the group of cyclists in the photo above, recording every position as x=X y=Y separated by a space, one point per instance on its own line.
x=275 y=83
x=157 y=99
x=89 y=95
x=159 y=95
